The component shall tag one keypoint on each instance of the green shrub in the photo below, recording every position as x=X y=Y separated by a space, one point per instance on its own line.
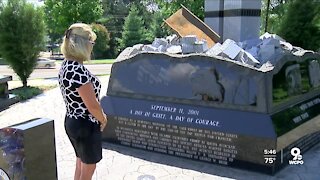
x=134 y=31
x=301 y=24
x=101 y=47
x=29 y=92
x=25 y=93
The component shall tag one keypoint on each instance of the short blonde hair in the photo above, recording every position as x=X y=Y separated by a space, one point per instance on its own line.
x=75 y=42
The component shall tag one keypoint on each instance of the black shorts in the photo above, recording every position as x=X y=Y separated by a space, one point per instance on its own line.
x=85 y=137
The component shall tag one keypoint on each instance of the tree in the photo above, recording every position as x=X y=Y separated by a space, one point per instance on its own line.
x=133 y=30
x=113 y=19
x=168 y=7
x=114 y=16
x=157 y=27
x=272 y=13
x=60 y=14
x=1 y=6
x=21 y=36
x=301 y=24
x=101 y=47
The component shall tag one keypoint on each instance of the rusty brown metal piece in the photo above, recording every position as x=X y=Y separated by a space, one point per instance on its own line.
x=184 y=23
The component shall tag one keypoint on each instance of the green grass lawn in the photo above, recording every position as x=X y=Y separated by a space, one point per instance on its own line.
x=100 y=61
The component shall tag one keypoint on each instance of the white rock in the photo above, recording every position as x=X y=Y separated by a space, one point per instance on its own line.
x=124 y=54
x=286 y=45
x=189 y=39
x=162 y=48
x=248 y=44
x=215 y=50
x=271 y=41
x=136 y=49
x=254 y=51
x=266 y=67
x=246 y=58
x=174 y=49
x=266 y=52
x=200 y=46
x=187 y=48
x=251 y=58
x=159 y=41
x=230 y=48
x=268 y=35
x=172 y=39
x=149 y=47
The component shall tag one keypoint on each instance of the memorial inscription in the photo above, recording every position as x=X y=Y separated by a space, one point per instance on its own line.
x=198 y=133
x=177 y=140
x=192 y=116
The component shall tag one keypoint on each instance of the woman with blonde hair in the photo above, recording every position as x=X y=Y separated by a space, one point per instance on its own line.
x=85 y=119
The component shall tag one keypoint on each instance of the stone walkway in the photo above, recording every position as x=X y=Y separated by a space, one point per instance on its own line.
x=123 y=163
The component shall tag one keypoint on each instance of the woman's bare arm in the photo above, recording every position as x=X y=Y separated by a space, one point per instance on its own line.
x=88 y=96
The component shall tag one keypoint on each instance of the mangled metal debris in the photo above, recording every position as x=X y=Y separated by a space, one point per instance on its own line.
x=185 y=23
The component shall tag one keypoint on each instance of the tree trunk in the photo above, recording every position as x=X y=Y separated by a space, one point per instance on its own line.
x=267 y=17
x=24 y=83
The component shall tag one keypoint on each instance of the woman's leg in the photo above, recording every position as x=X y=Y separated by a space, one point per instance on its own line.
x=87 y=171
x=78 y=169
x=71 y=127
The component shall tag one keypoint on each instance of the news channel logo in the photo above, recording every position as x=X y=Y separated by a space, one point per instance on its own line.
x=297 y=157
x=3 y=175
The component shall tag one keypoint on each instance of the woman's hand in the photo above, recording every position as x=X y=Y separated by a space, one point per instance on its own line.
x=104 y=123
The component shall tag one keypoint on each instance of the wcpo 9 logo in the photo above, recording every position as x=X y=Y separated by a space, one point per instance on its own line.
x=297 y=157
x=3 y=175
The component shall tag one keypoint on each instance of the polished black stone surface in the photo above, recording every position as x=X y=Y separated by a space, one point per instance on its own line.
x=6 y=99
x=194 y=78
x=202 y=108
x=4 y=86
x=28 y=150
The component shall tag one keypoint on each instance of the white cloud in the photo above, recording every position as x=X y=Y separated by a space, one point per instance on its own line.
x=35 y=2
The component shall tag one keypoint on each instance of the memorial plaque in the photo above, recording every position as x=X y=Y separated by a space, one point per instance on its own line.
x=27 y=150
x=208 y=109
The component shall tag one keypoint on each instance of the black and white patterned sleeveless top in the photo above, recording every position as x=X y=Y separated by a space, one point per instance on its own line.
x=71 y=76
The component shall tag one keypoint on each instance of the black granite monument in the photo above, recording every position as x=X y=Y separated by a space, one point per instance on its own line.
x=214 y=110
x=27 y=151
x=6 y=99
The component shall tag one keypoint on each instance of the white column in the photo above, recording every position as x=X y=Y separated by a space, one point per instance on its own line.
x=238 y=20
x=213 y=15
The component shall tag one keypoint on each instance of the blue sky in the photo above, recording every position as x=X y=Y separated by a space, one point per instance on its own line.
x=36 y=2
